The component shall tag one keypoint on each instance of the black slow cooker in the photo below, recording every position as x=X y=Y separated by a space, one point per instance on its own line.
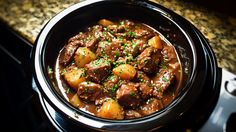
x=196 y=102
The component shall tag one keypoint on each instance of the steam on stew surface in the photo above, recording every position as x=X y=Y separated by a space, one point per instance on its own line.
x=118 y=69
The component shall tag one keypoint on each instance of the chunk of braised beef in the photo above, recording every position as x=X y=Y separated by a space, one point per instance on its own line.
x=141 y=44
x=102 y=33
x=80 y=36
x=111 y=84
x=152 y=105
x=142 y=77
x=130 y=48
x=148 y=60
x=102 y=98
x=145 y=84
x=143 y=33
x=109 y=50
x=121 y=27
x=131 y=114
x=89 y=91
x=66 y=55
x=107 y=36
x=127 y=23
x=120 y=60
x=98 y=70
x=68 y=51
x=97 y=31
x=128 y=96
x=125 y=60
x=162 y=82
x=116 y=28
x=92 y=43
x=168 y=53
x=146 y=90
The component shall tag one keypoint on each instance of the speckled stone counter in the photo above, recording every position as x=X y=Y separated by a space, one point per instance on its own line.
x=27 y=17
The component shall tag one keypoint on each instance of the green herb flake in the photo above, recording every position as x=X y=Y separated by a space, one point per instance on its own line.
x=111 y=77
x=146 y=61
x=163 y=65
x=133 y=44
x=63 y=71
x=131 y=34
x=132 y=94
x=122 y=23
x=141 y=80
x=120 y=71
x=159 y=89
x=149 y=85
x=73 y=62
x=67 y=91
x=50 y=71
x=120 y=37
x=83 y=74
x=126 y=29
x=113 y=89
x=75 y=68
x=117 y=54
x=165 y=79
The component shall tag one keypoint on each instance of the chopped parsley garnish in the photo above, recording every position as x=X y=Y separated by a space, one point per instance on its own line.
x=163 y=65
x=117 y=54
x=111 y=77
x=99 y=62
x=125 y=45
x=165 y=79
x=122 y=23
x=50 y=71
x=141 y=80
x=117 y=63
x=131 y=34
x=132 y=93
x=67 y=90
x=150 y=85
x=133 y=44
x=146 y=61
x=113 y=89
x=63 y=72
x=159 y=89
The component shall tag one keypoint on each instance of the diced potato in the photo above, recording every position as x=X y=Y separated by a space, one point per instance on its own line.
x=155 y=42
x=74 y=76
x=111 y=110
x=124 y=71
x=83 y=56
x=75 y=101
x=105 y=22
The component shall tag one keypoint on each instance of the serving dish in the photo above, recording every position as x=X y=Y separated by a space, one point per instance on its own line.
x=202 y=78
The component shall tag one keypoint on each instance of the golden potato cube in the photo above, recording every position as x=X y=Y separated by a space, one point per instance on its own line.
x=74 y=76
x=111 y=110
x=83 y=56
x=124 y=71
x=75 y=101
x=105 y=22
x=155 y=42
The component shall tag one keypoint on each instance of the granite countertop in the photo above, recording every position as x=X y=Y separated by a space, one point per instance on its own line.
x=27 y=18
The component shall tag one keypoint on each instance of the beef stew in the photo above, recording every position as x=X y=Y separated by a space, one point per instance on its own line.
x=118 y=69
